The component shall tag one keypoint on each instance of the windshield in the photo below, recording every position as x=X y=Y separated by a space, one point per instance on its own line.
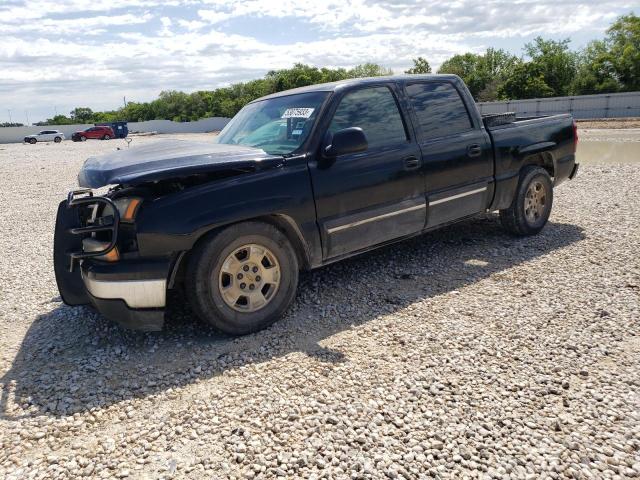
x=278 y=125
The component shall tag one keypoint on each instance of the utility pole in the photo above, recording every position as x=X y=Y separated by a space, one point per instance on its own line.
x=55 y=110
x=26 y=112
x=9 y=110
x=125 y=101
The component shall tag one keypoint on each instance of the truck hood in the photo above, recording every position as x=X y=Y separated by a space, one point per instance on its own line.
x=166 y=159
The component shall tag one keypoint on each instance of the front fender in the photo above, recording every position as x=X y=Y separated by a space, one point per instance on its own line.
x=175 y=222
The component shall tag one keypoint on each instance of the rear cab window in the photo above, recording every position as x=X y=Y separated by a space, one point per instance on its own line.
x=375 y=111
x=439 y=109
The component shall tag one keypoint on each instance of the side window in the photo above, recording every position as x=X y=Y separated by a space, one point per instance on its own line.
x=439 y=109
x=375 y=111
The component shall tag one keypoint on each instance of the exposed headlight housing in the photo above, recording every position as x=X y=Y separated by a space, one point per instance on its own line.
x=128 y=208
x=90 y=245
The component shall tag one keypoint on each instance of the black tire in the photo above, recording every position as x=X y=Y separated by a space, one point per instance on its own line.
x=57 y=139
x=33 y=141
x=516 y=218
x=106 y=137
x=83 y=138
x=203 y=277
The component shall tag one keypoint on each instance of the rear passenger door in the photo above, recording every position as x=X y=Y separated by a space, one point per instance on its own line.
x=457 y=157
x=370 y=197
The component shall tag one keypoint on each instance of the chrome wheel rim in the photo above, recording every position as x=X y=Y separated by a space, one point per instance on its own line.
x=249 y=278
x=535 y=201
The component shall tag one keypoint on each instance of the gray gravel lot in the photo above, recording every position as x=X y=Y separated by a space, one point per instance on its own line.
x=465 y=353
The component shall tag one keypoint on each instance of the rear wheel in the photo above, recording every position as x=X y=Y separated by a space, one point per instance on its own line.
x=531 y=206
x=242 y=279
x=57 y=139
x=106 y=137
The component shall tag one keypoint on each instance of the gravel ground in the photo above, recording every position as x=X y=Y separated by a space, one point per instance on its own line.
x=610 y=123
x=464 y=353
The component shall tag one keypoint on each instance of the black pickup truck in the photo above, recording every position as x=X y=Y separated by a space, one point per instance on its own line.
x=296 y=180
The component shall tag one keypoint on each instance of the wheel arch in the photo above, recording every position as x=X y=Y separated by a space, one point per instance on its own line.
x=545 y=160
x=287 y=225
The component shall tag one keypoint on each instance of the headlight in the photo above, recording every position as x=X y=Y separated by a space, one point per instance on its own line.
x=128 y=208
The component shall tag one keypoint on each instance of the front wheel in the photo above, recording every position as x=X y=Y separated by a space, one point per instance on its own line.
x=242 y=279
x=83 y=138
x=33 y=141
x=531 y=207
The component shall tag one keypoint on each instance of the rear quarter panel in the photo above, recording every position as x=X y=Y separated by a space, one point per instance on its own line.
x=518 y=144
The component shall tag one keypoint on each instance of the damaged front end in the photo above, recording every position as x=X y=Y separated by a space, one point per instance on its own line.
x=96 y=261
x=121 y=251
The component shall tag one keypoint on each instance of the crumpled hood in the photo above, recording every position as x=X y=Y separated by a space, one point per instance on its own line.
x=167 y=159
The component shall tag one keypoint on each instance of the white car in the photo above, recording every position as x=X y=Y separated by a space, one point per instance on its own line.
x=45 y=136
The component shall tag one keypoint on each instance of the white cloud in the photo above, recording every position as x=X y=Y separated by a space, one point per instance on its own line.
x=84 y=53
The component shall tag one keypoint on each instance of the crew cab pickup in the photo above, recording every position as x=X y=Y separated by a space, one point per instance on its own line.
x=297 y=180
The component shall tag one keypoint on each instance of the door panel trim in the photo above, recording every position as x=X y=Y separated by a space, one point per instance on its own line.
x=459 y=195
x=375 y=218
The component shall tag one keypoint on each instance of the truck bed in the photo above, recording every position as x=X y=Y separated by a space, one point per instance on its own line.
x=549 y=138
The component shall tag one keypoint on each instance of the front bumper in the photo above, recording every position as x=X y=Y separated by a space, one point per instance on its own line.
x=138 y=284
x=130 y=292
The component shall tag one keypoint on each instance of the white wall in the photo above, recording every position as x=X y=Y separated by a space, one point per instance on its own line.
x=606 y=105
x=167 y=126
x=17 y=134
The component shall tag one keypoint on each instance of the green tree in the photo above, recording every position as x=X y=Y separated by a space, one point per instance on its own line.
x=596 y=71
x=553 y=63
x=82 y=115
x=420 y=65
x=526 y=80
x=623 y=41
x=368 y=70
x=483 y=74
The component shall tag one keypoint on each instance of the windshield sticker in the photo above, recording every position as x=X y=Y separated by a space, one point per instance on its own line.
x=296 y=132
x=299 y=125
x=299 y=112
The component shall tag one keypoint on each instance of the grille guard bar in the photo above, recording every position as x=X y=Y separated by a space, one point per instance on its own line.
x=83 y=198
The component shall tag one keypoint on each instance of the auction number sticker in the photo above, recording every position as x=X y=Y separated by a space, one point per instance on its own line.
x=300 y=112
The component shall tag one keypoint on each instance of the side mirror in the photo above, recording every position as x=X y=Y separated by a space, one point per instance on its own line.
x=347 y=140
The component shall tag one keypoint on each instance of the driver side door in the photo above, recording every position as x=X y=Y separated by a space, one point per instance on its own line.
x=377 y=195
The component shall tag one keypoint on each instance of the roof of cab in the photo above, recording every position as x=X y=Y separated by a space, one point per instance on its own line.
x=335 y=86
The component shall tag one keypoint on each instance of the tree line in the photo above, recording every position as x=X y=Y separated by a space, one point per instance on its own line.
x=548 y=68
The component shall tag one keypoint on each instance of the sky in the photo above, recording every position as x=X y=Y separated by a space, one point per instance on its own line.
x=57 y=55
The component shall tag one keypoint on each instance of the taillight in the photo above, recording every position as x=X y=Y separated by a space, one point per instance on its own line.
x=575 y=136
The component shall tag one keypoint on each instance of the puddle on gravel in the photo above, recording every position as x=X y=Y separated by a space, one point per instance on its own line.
x=608 y=146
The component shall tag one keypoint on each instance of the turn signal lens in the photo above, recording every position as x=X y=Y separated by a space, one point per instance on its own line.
x=112 y=256
x=128 y=208
x=90 y=245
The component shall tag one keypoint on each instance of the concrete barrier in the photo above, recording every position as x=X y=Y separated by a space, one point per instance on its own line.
x=606 y=105
x=17 y=134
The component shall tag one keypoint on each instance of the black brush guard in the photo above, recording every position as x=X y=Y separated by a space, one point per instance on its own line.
x=71 y=228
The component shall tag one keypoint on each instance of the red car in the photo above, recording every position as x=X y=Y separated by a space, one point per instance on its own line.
x=101 y=133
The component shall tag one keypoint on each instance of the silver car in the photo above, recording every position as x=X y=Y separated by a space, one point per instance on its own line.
x=45 y=136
